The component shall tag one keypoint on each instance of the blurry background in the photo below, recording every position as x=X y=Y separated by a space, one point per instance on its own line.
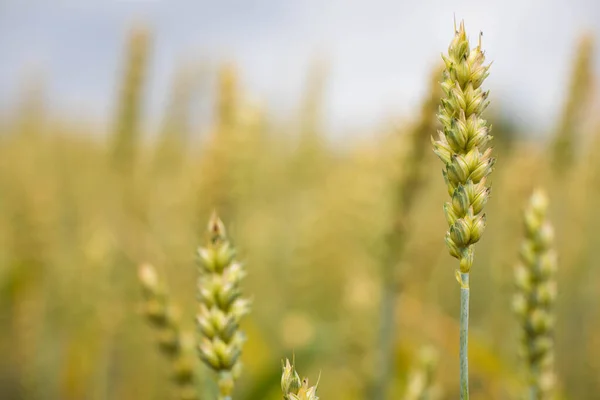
x=125 y=123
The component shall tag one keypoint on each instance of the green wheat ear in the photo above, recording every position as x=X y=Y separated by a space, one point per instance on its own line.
x=462 y=147
x=535 y=297
x=221 y=307
x=162 y=316
x=293 y=387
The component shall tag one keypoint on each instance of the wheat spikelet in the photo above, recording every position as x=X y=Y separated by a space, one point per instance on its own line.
x=293 y=387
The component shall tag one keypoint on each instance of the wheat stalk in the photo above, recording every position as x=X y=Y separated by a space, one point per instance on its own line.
x=462 y=147
x=535 y=297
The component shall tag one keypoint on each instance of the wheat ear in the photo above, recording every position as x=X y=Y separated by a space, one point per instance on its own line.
x=162 y=316
x=221 y=307
x=535 y=297
x=462 y=147
x=293 y=387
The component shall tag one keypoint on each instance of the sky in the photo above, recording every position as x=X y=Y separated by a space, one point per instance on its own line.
x=379 y=53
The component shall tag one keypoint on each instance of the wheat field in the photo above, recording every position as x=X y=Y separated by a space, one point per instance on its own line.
x=343 y=245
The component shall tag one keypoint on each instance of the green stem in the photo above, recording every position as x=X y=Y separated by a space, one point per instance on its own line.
x=464 y=336
x=533 y=386
x=225 y=385
x=533 y=393
x=386 y=341
x=387 y=329
x=223 y=395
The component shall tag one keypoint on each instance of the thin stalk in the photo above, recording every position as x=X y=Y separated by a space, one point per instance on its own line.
x=464 y=336
x=534 y=393
x=406 y=191
x=386 y=336
x=225 y=384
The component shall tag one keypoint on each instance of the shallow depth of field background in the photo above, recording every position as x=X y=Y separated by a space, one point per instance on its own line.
x=123 y=125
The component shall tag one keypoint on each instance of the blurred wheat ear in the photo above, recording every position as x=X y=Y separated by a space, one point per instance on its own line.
x=536 y=294
x=222 y=149
x=171 y=340
x=462 y=147
x=126 y=134
x=175 y=132
x=578 y=96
